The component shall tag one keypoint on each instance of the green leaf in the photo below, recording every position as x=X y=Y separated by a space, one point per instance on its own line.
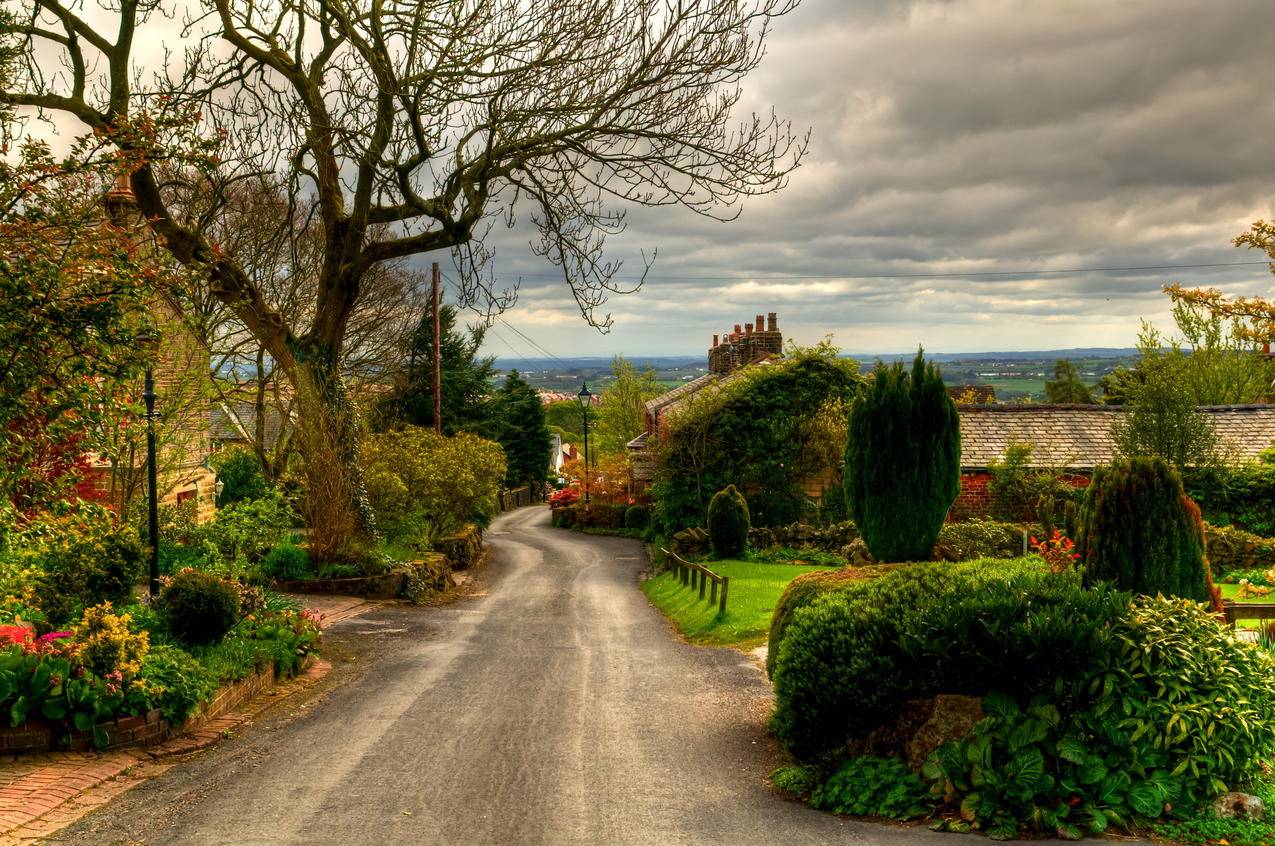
x=969 y=806
x=1067 y=831
x=83 y=720
x=1147 y=799
x=997 y=704
x=1028 y=766
x=1071 y=749
x=54 y=709
x=1093 y=772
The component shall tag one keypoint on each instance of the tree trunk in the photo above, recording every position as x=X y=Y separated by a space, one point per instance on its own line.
x=336 y=510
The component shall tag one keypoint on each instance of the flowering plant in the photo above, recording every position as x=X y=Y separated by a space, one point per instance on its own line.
x=1057 y=550
x=564 y=497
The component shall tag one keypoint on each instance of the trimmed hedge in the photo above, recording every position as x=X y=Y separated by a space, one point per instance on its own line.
x=971 y=539
x=804 y=590
x=853 y=656
x=598 y=515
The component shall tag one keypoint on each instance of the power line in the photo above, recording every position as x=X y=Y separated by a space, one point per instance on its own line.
x=970 y=274
x=534 y=345
x=517 y=354
x=530 y=341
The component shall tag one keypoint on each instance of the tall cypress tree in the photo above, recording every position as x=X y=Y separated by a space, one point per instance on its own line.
x=903 y=460
x=523 y=433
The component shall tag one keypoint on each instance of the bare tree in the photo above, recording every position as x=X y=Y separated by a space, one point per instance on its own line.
x=278 y=242
x=430 y=120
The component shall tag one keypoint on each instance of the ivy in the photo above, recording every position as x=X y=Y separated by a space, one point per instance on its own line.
x=764 y=431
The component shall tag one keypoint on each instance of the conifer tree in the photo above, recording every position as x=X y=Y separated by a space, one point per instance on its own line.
x=522 y=432
x=903 y=460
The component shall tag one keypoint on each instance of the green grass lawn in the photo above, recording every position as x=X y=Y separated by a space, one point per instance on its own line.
x=1232 y=592
x=755 y=589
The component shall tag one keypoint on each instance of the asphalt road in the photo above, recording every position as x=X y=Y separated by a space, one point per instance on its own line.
x=556 y=707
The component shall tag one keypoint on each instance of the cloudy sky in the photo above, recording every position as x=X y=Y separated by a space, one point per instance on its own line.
x=958 y=137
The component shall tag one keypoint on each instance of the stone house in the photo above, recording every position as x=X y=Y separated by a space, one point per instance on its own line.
x=184 y=445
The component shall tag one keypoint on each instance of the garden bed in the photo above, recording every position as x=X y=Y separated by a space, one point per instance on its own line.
x=143 y=730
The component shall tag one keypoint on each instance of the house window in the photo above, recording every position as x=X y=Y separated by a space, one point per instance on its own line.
x=186 y=496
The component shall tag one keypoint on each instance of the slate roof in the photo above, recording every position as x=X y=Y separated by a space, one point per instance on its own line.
x=225 y=430
x=1079 y=436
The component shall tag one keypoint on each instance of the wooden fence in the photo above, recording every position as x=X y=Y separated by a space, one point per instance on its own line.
x=699 y=577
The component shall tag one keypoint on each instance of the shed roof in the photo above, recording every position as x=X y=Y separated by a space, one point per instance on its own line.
x=1079 y=436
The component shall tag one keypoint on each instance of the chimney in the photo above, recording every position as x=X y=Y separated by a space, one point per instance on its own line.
x=738 y=330
x=714 y=342
x=761 y=325
x=772 y=322
x=748 y=328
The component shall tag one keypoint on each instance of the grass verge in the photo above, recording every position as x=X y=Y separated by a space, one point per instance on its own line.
x=754 y=591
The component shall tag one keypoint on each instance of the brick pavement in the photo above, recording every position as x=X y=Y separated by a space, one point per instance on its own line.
x=41 y=794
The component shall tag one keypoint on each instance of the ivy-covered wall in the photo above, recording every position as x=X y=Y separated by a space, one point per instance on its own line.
x=766 y=432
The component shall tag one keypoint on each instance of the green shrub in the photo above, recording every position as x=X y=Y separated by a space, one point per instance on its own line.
x=728 y=523
x=198 y=608
x=637 y=517
x=766 y=429
x=903 y=461
x=852 y=656
x=796 y=780
x=85 y=559
x=244 y=533
x=1242 y=496
x=176 y=682
x=873 y=787
x=1169 y=711
x=287 y=562
x=423 y=485
x=977 y=538
x=1141 y=531
x=240 y=474
x=799 y=593
x=1229 y=549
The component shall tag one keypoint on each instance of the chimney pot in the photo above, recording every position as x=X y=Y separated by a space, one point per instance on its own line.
x=714 y=342
x=772 y=322
x=748 y=328
x=738 y=329
x=761 y=324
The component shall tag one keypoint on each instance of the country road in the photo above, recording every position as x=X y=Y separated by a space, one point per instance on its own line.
x=558 y=708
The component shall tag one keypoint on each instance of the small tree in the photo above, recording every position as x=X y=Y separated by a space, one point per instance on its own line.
x=1141 y=531
x=1066 y=386
x=728 y=523
x=903 y=460
x=1161 y=417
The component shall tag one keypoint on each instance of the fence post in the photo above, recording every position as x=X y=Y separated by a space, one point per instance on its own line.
x=702 y=578
x=712 y=593
x=725 y=585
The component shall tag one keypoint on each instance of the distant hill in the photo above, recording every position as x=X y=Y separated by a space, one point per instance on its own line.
x=599 y=362
x=1010 y=355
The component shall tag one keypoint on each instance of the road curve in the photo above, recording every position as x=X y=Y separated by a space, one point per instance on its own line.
x=559 y=708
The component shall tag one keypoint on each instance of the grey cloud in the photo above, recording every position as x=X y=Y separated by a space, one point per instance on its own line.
x=961 y=136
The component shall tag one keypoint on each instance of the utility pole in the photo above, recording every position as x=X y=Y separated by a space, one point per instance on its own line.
x=438 y=361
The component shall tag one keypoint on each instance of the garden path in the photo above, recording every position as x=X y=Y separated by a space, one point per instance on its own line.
x=556 y=707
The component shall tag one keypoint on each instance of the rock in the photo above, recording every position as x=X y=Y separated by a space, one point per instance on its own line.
x=952 y=718
x=858 y=555
x=890 y=740
x=1234 y=805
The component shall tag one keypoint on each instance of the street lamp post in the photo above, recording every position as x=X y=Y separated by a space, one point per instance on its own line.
x=585 y=397
x=152 y=483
